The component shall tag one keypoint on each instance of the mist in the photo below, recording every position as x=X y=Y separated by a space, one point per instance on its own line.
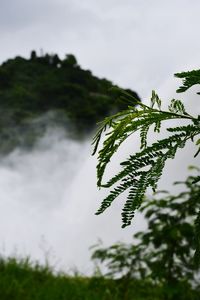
x=48 y=201
x=49 y=196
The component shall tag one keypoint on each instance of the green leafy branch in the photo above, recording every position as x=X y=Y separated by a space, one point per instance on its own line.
x=164 y=252
x=144 y=168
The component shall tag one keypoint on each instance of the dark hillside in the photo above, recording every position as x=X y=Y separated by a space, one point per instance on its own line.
x=29 y=88
x=40 y=84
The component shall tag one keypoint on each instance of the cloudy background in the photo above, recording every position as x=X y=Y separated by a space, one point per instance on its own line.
x=135 y=43
x=47 y=201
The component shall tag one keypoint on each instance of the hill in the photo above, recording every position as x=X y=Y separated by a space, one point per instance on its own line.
x=30 y=88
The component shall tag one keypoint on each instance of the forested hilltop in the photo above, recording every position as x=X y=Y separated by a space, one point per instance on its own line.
x=30 y=88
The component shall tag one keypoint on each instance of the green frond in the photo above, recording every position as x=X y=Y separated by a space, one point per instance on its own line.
x=142 y=169
x=143 y=135
x=113 y=195
x=134 y=199
x=188 y=128
x=176 y=106
x=122 y=129
x=155 y=100
x=157 y=126
x=108 y=122
x=196 y=179
x=190 y=79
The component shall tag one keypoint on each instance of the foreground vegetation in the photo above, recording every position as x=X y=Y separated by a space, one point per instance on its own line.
x=143 y=169
x=21 y=280
x=157 y=265
x=168 y=252
x=164 y=252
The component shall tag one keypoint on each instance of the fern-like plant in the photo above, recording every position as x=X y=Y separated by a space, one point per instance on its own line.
x=144 y=168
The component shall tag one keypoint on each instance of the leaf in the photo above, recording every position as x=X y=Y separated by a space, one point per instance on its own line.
x=198 y=142
x=189 y=79
x=142 y=169
x=177 y=107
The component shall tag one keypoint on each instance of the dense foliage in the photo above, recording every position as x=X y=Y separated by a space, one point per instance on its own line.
x=144 y=168
x=32 y=87
x=163 y=253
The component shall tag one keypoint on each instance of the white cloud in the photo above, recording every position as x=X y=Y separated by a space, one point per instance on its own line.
x=134 y=43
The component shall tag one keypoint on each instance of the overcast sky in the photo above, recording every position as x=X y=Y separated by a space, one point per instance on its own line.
x=135 y=43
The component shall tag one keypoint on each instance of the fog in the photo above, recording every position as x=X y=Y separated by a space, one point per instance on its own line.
x=48 y=193
x=49 y=196
x=48 y=201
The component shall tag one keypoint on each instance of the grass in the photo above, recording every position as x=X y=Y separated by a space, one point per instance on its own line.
x=24 y=280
